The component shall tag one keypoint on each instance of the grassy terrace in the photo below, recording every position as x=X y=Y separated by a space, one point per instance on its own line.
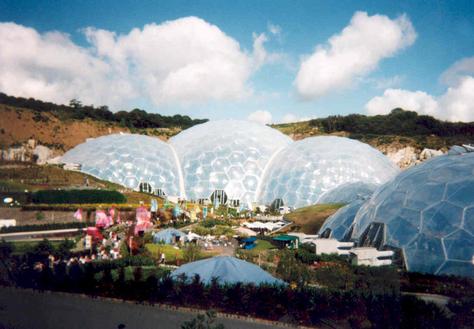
x=310 y=219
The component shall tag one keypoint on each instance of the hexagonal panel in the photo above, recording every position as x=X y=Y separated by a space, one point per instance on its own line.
x=127 y=159
x=329 y=161
x=441 y=219
x=445 y=243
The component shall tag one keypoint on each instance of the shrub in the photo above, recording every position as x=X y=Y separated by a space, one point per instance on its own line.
x=77 y=196
x=192 y=252
x=44 y=227
x=39 y=215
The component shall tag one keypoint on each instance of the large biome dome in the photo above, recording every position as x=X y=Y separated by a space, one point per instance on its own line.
x=226 y=155
x=426 y=212
x=307 y=169
x=135 y=161
x=238 y=163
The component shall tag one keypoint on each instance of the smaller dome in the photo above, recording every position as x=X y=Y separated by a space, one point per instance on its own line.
x=339 y=225
x=227 y=270
x=307 y=169
x=131 y=160
x=348 y=192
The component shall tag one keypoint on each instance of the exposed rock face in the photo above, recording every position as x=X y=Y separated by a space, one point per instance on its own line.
x=408 y=156
x=28 y=152
x=429 y=153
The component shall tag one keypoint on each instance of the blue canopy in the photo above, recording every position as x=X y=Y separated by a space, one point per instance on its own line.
x=168 y=235
x=228 y=270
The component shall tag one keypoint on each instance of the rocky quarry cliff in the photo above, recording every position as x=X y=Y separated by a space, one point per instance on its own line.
x=408 y=156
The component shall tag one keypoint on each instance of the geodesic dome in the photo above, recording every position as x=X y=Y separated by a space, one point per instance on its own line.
x=129 y=160
x=338 y=225
x=348 y=192
x=228 y=155
x=307 y=169
x=426 y=212
x=227 y=270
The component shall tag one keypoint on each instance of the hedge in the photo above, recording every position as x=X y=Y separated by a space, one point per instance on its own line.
x=75 y=206
x=44 y=227
x=78 y=196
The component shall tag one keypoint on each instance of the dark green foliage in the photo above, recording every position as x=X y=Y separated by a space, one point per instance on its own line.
x=44 y=247
x=44 y=227
x=64 y=248
x=398 y=122
x=448 y=285
x=463 y=309
x=39 y=215
x=364 y=305
x=419 y=314
x=291 y=269
x=77 y=196
x=6 y=249
x=76 y=110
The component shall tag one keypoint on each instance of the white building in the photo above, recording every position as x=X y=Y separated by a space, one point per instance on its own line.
x=303 y=237
x=370 y=256
x=7 y=222
x=331 y=246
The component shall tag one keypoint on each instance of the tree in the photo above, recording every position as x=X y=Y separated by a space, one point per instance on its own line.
x=74 y=103
x=6 y=249
x=191 y=252
x=202 y=321
x=291 y=269
x=44 y=247
x=64 y=248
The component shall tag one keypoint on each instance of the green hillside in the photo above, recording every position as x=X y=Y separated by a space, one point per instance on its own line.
x=399 y=126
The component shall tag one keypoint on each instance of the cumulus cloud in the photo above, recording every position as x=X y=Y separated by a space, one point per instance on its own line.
x=456 y=104
x=353 y=53
x=260 y=116
x=458 y=70
x=51 y=67
x=183 y=61
x=418 y=101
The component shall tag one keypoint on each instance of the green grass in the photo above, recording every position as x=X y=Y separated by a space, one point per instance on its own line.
x=310 y=219
x=21 y=247
x=172 y=254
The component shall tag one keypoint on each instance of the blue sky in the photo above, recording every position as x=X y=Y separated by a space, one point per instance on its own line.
x=410 y=72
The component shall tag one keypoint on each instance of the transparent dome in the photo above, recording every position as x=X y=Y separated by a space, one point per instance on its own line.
x=129 y=160
x=226 y=155
x=348 y=192
x=338 y=226
x=304 y=171
x=426 y=212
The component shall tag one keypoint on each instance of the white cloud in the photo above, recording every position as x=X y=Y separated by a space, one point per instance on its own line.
x=260 y=116
x=417 y=101
x=260 y=54
x=274 y=29
x=456 y=104
x=183 y=61
x=353 y=53
x=458 y=70
x=51 y=67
